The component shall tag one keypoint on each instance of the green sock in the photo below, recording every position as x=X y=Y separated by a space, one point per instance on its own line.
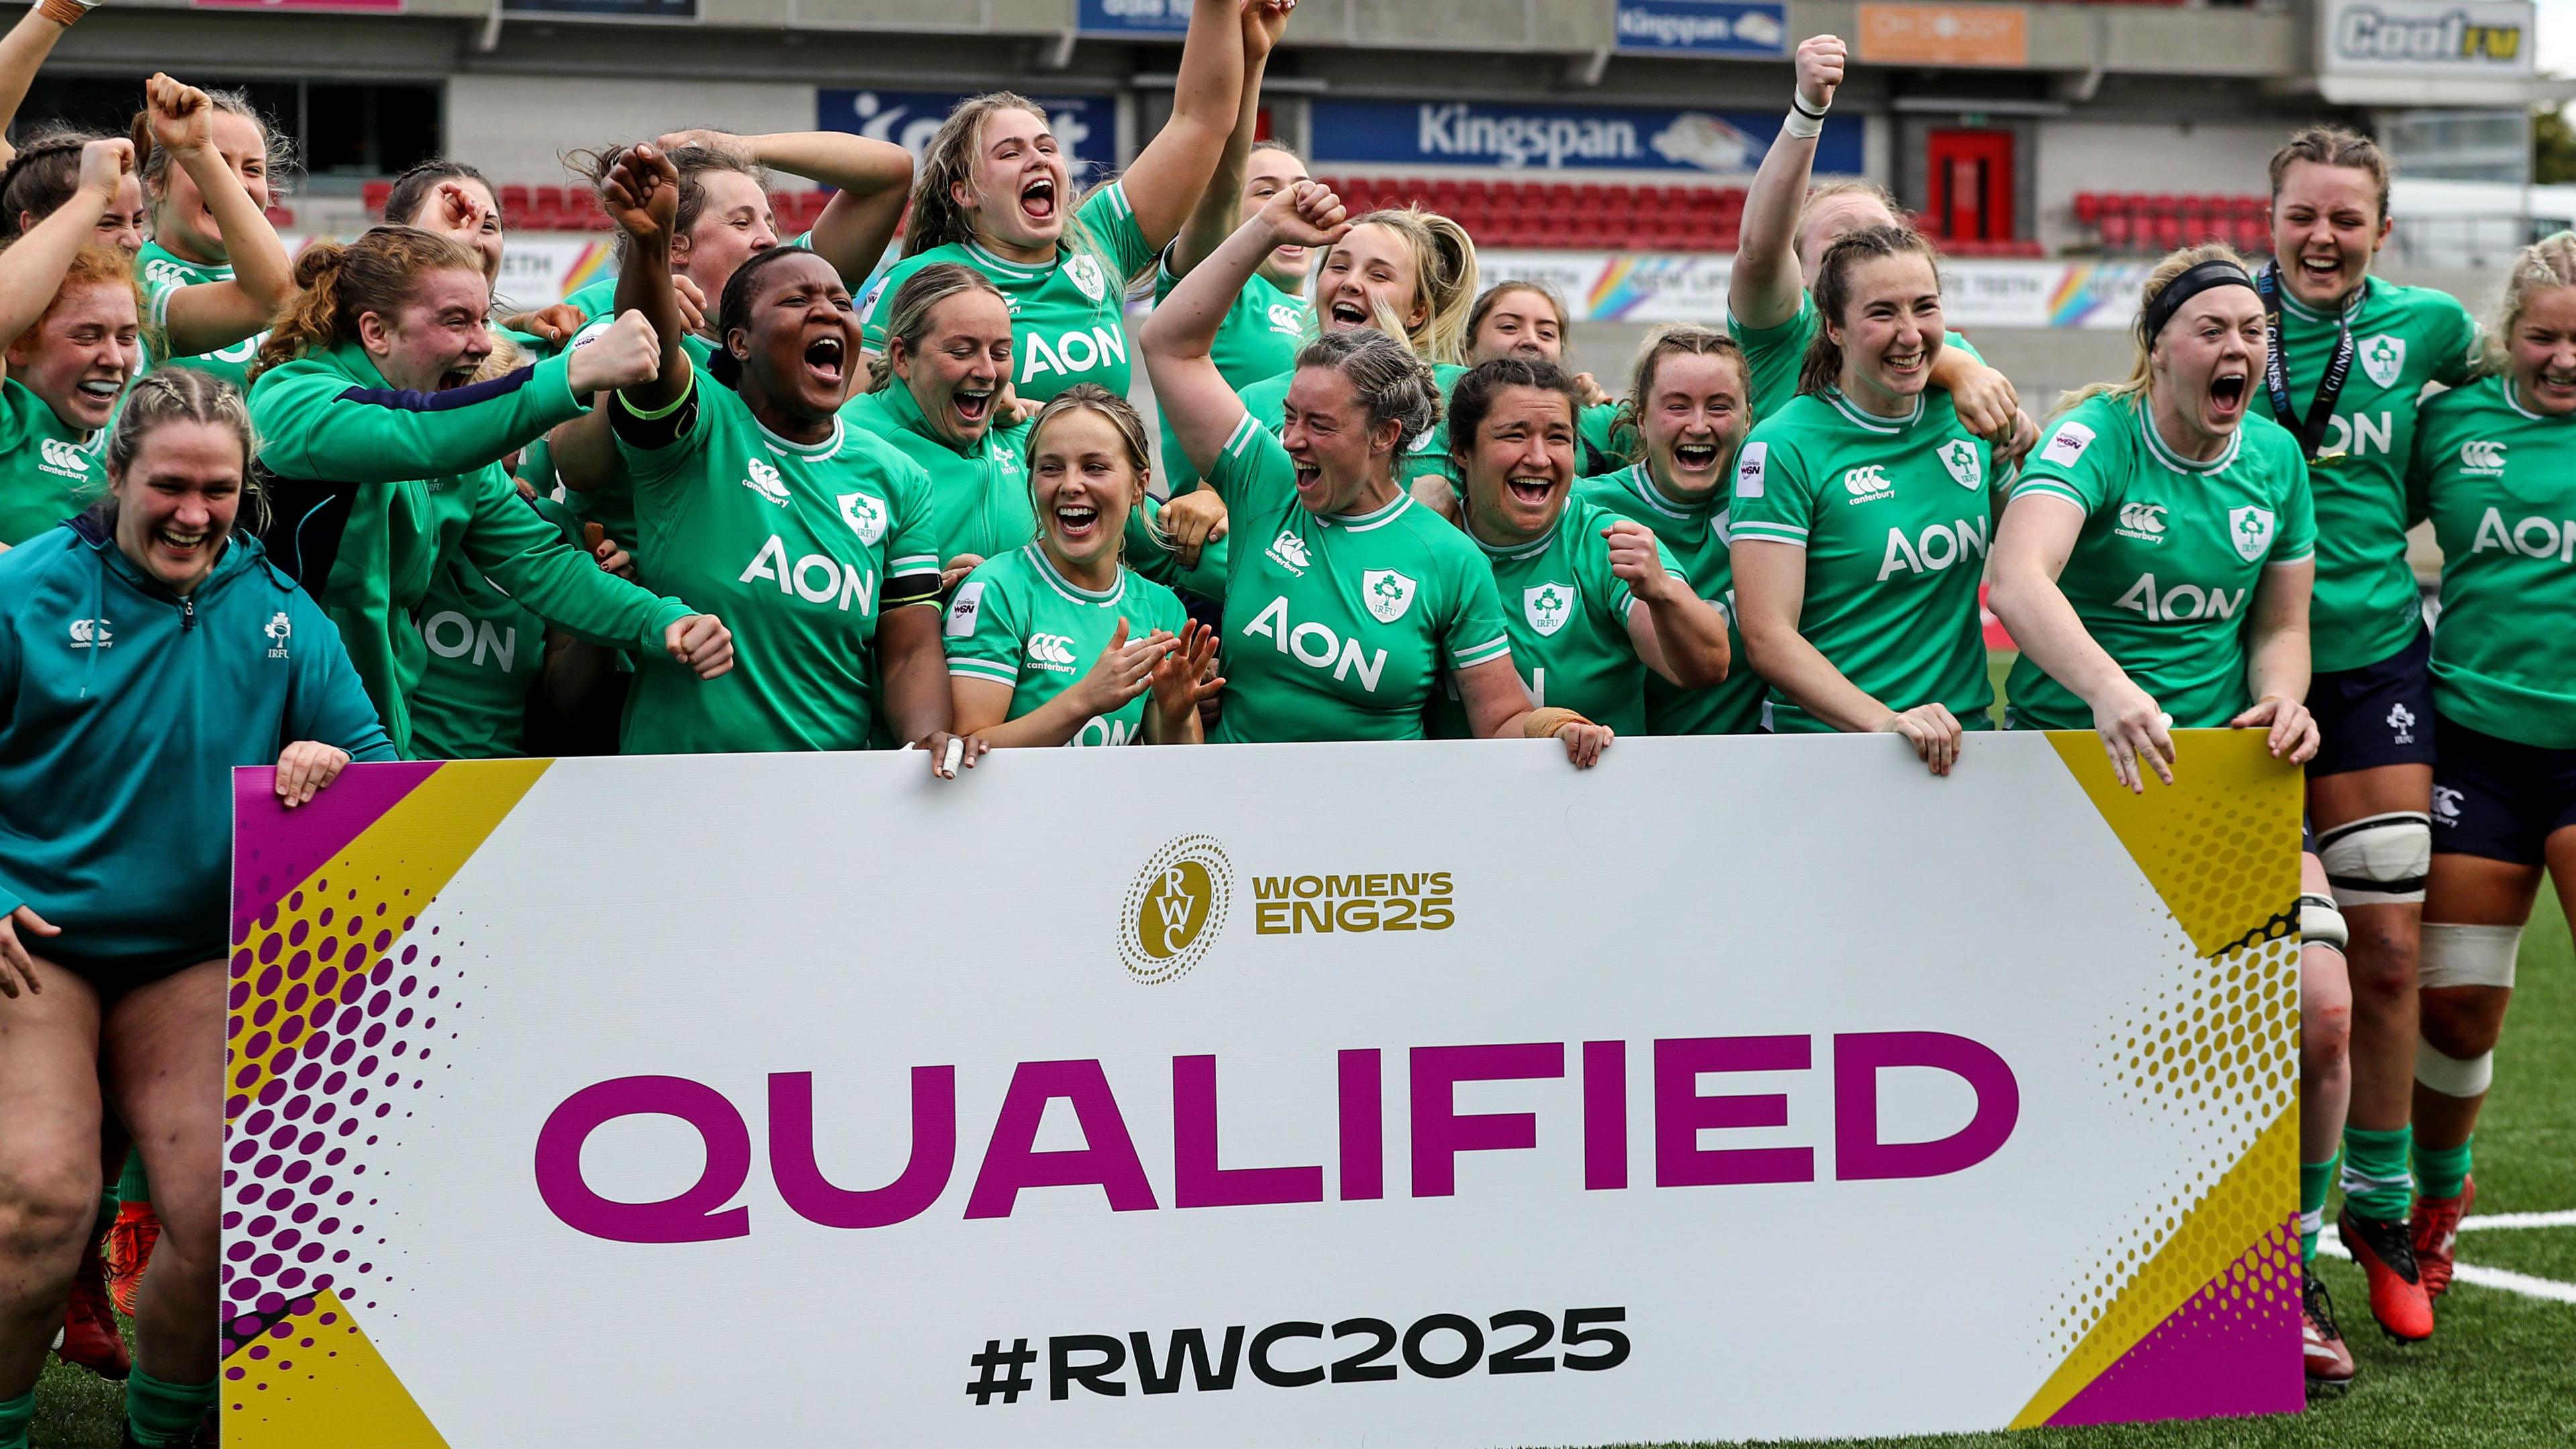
x=2443 y=1171
x=2314 y=1179
x=2376 y=1181
x=161 y=1413
x=106 y=1211
x=16 y=1417
x=133 y=1186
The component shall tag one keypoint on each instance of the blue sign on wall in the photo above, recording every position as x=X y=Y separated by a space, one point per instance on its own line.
x=1556 y=138
x=1136 y=17
x=1085 y=126
x=1703 y=27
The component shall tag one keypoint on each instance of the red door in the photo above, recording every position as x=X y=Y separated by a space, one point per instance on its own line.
x=1972 y=185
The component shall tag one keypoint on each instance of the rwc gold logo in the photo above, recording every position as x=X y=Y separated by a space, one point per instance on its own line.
x=1175 y=909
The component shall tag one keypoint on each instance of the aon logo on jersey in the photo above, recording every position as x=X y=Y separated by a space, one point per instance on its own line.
x=2533 y=537
x=451 y=635
x=1935 y=549
x=1074 y=353
x=2362 y=434
x=2180 y=604
x=1316 y=646
x=1098 y=731
x=815 y=578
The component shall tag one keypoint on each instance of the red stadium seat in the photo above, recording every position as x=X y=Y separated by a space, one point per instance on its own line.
x=376 y=194
x=518 y=208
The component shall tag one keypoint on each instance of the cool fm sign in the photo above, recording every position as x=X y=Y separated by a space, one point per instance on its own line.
x=1009 y=1163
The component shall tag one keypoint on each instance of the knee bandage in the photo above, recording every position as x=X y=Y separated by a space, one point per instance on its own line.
x=2379 y=860
x=2451 y=1076
x=2468 y=955
x=2320 y=924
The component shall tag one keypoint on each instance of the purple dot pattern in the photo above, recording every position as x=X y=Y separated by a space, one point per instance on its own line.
x=335 y=1017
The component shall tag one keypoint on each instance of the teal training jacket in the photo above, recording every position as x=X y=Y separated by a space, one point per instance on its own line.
x=123 y=710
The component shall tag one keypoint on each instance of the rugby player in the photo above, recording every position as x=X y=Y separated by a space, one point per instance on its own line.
x=1861 y=513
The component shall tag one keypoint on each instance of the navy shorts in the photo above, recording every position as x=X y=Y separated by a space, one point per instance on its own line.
x=2379 y=714
x=2498 y=799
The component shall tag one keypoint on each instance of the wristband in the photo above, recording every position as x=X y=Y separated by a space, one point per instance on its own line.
x=1546 y=724
x=1801 y=122
x=65 y=12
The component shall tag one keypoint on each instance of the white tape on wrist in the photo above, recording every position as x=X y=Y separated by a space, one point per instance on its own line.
x=1801 y=125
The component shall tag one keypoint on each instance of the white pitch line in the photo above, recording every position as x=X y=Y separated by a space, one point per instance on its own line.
x=2563 y=1219
x=2511 y=1282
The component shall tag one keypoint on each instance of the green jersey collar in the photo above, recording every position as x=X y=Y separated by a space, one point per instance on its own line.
x=897 y=399
x=1641 y=481
x=821 y=452
x=2513 y=400
x=1068 y=588
x=1519 y=551
x=1885 y=427
x=2305 y=313
x=1374 y=518
x=2176 y=462
x=1008 y=270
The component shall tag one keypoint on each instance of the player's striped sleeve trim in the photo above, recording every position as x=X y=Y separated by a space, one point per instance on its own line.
x=2053 y=488
x=1116 y=195
x=1241 y=437
x=983 y=669
x=1498 y=647
x=2275 y=563
x=1770 y=532
x=913 y=562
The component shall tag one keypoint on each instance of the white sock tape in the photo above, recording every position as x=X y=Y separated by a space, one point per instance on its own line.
x=2451 y=1076
x=2468 y=955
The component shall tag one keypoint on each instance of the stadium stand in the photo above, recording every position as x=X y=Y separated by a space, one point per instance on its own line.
x=2132 y=224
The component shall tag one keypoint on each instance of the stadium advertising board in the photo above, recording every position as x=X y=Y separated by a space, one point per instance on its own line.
x=1679 y=287
x=1447 y=1096
x=1085 y=126
x=1558 y=138
x=1704 y=27
x=1135 y=17
x=2427 y=38
x=1944 y=35
x=606 y=9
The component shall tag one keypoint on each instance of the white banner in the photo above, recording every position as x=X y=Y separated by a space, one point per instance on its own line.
x=1427 y=1094
x=1674 y=287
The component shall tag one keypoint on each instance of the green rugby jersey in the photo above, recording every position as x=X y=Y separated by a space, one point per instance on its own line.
x=49 y=471
x=486 y=652
x=1267 y=400
x=1598 y=428
x=162 y=273
x=1258 y=338
x=1697 y=537
x=979 y=494
x=1896 y=515
x=2500 y=483
x=1068 y=316
x=1772 y=355
x=2366 y=606
x=2171 y=555
x=1018 y=621
x=1337 y=626
x=798 y=547
x=1566 y=614
x=611 y=505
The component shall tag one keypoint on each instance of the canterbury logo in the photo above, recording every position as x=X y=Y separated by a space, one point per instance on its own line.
x=2146 y=518
x=2482 y=457
x=1867 y=482
x=1051 y=651
x=65 y=458
x=91 y=634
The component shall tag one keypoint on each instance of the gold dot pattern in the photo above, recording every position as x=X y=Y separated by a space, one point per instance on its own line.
x=2214 y=1050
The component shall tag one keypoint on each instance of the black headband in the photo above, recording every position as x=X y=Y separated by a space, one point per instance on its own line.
x=2216 y=272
